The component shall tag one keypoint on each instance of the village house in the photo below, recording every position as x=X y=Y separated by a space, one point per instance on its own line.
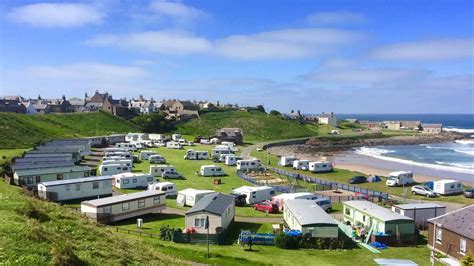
x=392 y=125
x=410 y=125
x=372 y=125
x=77 y=104
x=59 y=105
x=452 y=234
x=13 y=106
x=432 y=128
x=327 y=119
x=235 y=135
x=142 y=105
x=117 y=107
x=220 y=208
x=294 y=115
x=95 y=102
x=182 y=110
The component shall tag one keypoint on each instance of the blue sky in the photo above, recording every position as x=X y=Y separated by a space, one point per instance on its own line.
x=341 y=56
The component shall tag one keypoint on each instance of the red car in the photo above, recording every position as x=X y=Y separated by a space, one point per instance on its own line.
x=266 y=207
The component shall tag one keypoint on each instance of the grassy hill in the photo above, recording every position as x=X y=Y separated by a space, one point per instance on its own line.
x=256 y=125
x=34 y=232
x=23 y=131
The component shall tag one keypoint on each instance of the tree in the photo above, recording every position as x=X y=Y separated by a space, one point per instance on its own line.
x=260 y=108
x=275 y=113
x=151 y=123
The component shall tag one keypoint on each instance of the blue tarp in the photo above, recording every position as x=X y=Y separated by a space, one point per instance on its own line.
x=292 y=232
x=374 y=178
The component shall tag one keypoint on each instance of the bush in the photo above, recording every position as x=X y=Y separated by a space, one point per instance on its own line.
x=167 y=233
x=287 y=242
x=152 y=123
x=260 y=108
x=467 y=260
x=275 y=113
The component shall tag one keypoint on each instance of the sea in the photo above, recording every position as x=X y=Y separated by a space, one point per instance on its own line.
x=452 y=158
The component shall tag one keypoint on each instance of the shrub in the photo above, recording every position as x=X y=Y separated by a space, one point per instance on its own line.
x=467 y=260
x=167 y=233
x=287 y=242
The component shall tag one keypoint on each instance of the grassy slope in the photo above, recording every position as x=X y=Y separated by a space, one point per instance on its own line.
x=256 y=126
x=34 y=232
x=25 y=130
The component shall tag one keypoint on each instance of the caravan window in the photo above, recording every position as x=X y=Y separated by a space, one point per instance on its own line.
x=126 y=181
x=38 y=179
x=141 y=203
x=78 y=187
x=348 y=211
x=156 y=200
x=59 y=176
x=150 y=178
x=95 y=185
x=68 y=187
x=105 y=169
x=164 y=189
x=29 y=180
x=107 y=209
x=125 y=206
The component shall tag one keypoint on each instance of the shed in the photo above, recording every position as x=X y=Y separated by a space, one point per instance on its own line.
x=219 y=207
x=307 y=217
x=420 y=212
x=78 y=188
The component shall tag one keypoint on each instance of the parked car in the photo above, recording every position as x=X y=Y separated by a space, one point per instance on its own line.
x=424 y=191
x=469 y=193
x=171 y=175
x=358 y=179
x=266 y=206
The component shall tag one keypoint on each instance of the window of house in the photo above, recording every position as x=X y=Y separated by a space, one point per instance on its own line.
x=141 y=203
x=156 y=200
x=200 y=222
x=59 y=177
x=78 y=187
x=348 y=211
x=439 y=234
x=125 y=206
x=462 y=246
x=38 y=179
x=95 y=185
x=107 y=209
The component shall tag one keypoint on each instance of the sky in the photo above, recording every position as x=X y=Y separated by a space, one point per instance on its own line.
x=385 y=56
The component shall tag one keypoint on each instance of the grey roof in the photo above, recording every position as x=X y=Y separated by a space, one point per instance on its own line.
x=77 y=180
x=215 y=203
x=33 y=160
x=308 y=212
x=40 y=165
x=411 y=206
x=123 y=198
x=40 y=154
x=376 y=211
x=432 y=125
x=459 y=221
x=55 y=170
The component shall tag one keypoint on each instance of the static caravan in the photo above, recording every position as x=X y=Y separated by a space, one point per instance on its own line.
x=249 y=165
x=126 y=155
x=145 y=155
x=216 y=152
x=190 y=196
x=157 y=159
x=121 y=161
x=127 y=146
x=320 y=167
x=287 y=160
x=167 y=187
x=116 y=208
x=159 y=169
x=231 y=159
x=280 y=199
x=175 y=137
x=196 y=155
x=173 y=145
x=255 y=194
x=157 y=137
x=230 y=145
x=132 y=180
x=41 y=165
x=77 y=188
x=218 y=208
x=113 y=169
x=115 y=149
x=447 y=187
x=399 y=178
x=420 y=212
x=301 y=165
x=310 y=219
x=211 y=170
x=31 y=177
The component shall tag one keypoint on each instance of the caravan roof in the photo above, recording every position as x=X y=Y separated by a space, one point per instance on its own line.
x=287 y=196
x=399 y=173
x=123 y=198
x=375 y=210
x=76 y=180
x=412 y=206
x=308 y=212
x=250 y=189
x=53 y=170
x=192 y=191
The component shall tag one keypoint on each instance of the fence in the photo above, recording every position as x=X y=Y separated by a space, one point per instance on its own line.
x=195 y=238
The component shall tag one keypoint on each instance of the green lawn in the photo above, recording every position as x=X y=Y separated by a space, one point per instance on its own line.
x=7 y=155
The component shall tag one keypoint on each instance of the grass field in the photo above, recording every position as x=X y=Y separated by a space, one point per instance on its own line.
x=7 y=155
x=24 y=131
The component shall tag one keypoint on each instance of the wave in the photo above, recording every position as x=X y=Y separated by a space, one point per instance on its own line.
x=469 y=152
x=375 y=151
x=460 y=130
x=459 y=168
x=465 y=141
x=462 y=165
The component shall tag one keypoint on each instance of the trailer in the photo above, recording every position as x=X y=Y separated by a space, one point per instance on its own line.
x=113 y=169
x=399 y=178
x=132 y=180
x=196 y=155
x=190 y=196
x=301 y=165
x=218 y=151
x=320 y=167
x=74 y=189
x=125 y=155
x=231 y=159
x=230 y=145
x=167 y=187
x=145 y=155
x=287 y=160
x=159 y=169
x=249 y=165
x=279 y=200
x=211 y=170
x=115 y=149
x=126 y=146
x=120 y=161
x=255 y=194
x=157 y=159
x=446 y=187
x=173 y=145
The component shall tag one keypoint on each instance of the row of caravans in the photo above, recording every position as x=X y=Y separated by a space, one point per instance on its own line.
x=306 y=165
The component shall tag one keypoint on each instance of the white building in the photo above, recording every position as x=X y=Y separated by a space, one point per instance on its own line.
x=327 y=119
x=78 y=188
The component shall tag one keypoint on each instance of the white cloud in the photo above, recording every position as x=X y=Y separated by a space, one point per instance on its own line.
x=336 y=17
x=165 y=42
x=443 y=49
x=338 y=63
x=176 y=10
x=56 y=15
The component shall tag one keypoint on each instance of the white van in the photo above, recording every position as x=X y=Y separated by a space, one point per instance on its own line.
x=167 y=187
x=287 y=160
x=145 y=155
x=157 y=159
x=127 y=146
x=399 y=178
x=252 y=165
x=211 y=170
x=216 y=152
x=121 y=162
x=320 y=167
x=324 y=203
x=231 y=159
x=159 y=169
x=113 y=169
x=173 y=145
x=196 y=155
x=131 y=180
x=301 y=165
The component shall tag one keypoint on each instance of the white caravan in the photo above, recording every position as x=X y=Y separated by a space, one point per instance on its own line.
x=255 y=194
x=117 y=161
x=211 y=170
x=114 y=149
x=175 y=137
x=231 y=159
x=249 y=165
x=280 y=199
x=157 y=159
x=173 y=145
x=190 y=196
x=132 y=180
x=447 y=187
x=113 y=169
x=301 y=165
x=230 y=145
x=216 y=152
x=287 y=160
x=167 y=187
x=196 y=155
x=124 y=155
x=145 y=155
x=399 y=178
x=320 y=167
x=77 y=188
x=127 y=146
x=159 y=169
